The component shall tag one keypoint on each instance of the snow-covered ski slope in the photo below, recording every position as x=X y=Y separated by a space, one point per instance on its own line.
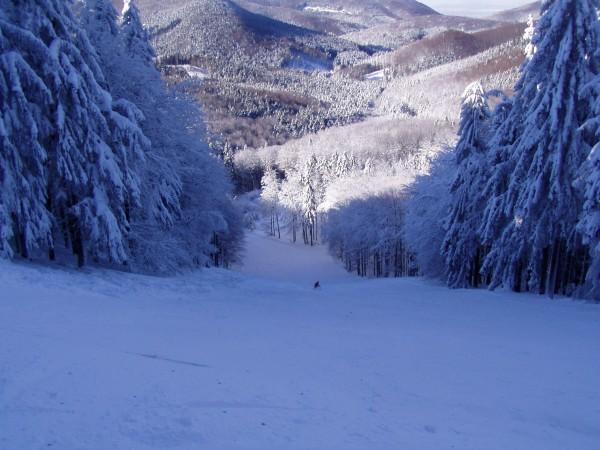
x=222 y=360
x=281 y=260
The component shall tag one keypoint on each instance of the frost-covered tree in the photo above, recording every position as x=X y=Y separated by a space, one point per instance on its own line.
x=135 y=35
x=132 y=80
x=6 y=232
x=270 y=196
x=309 y=210
x=291 y=202
x=528 y=37
x=369 y=167
x=24 y=124
x=91 y=142
x=99 y=20
x=310 y=182
x=427 y=208
x=589 y=184
x=76 y=166
x=462 y=248
x=589 y=225
x=368 y=250
x=532 y=210
x=186 y=217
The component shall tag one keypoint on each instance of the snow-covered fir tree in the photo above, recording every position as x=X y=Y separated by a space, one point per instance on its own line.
x=528 y=37
x=462 y=248
x=90 y=142
x=135 y=35
x=25 y=121
x=77 y=168
x=186 y=216
x=532 y=210
x=589 y=184
x=99 y=20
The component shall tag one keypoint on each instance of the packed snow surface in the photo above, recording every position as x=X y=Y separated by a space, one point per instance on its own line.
x=192 y=71
x=280 y=259
x=322 y=9
x=260 y=360
x=378 y=75
x=195 y=72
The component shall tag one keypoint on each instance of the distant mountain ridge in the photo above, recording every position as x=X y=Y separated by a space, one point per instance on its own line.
x=519 y=14
x=267 y=71
x=330 y=16
x=221 y=36
x=384 y=7
x=339 y=16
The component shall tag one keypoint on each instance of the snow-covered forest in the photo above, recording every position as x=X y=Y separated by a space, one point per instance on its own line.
x=99 y=158
x=298 y=224
x=104 y=160
x=511 y=202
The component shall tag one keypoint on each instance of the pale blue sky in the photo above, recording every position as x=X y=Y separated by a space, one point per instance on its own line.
x=473 y=8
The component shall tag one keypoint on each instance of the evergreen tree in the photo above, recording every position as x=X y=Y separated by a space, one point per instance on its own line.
x=528 y=38
x=24 y=125
x=188 y=191
x=90 y=143
x=6 y=233
x=135 y=35
x=99 y=20
x=589 y=184
x=176 y=225
x=462 y=249
x=369 y=168
x=529 y=222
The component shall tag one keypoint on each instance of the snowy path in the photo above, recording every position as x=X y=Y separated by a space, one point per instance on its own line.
x=281 y=260
x=228 y=361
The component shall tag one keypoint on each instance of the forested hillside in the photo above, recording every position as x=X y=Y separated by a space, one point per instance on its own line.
x=509 y=204
x=519 y=14
x=266 y=74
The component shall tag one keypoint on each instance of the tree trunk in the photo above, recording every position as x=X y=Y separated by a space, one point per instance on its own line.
x=518 y=277
x=76 y=242
x=545 y=265
x=294 y=228
x=80 y=252
x=553 y=269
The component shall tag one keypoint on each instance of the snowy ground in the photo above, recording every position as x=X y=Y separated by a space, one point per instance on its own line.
x=192 y=71
x=281 y=260
x=224 y=360
x=378 y=75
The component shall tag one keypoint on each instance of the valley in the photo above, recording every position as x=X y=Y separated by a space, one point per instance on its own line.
x=278 y=70
x=299 y=224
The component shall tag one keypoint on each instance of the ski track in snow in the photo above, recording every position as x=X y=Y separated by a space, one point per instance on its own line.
x=223 y=360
